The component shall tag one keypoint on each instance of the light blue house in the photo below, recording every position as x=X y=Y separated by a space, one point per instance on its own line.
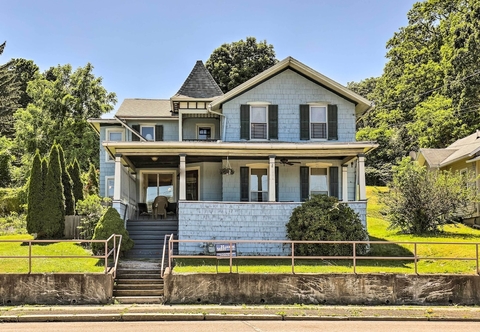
x=286 y=134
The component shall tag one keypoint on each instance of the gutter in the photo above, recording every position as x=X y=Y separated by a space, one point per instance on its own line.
x=129 y=129
x=372 y=106
x=209 y=109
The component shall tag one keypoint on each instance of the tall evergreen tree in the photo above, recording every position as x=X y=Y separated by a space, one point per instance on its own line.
x=74 y=171
x=35 y=206
x=92 y=185
x=54 y=199
x=9 y=95
x=67 y=184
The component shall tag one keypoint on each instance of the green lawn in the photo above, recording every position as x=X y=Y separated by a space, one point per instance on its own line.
x=46 y=265
x=377 y=229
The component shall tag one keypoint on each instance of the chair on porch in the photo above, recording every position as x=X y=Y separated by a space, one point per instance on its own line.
x=142 y=210
x=159 y=207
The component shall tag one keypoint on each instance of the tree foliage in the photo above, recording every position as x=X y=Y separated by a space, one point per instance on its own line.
x=62 y=101
x=91 y=209
x=9 y=95
x=67 y=184
x=429 y=93
x=323 y=218
x=111 y=223
x=92 y=187
x=36 y=190
x=420 y=201
x=235 y=63
x=53 y=198
x=77 y=185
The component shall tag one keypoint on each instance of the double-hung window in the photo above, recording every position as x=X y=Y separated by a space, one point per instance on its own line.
x=318 y=181
x=109 y=186
x=148 y=132
x=258 y=122
x=318 y=122
x=113 y=135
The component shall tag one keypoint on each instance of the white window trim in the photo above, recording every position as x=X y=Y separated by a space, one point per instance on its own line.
x=310 y=179
x=326 y=121
x=206 y=125
x=107 y=139
x=142 y=195
x=256 y=105
x=107 y=178
x=256 y=166
x=195 y=168
x=148 y=126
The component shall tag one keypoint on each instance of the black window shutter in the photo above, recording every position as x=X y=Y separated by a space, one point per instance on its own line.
x=276 y=184
x=158 y=133
x=137 y=129
x=304 y=122
x=334 y=181
x=332 y=122
x=245 y=122
x=304 y=183
x=244 y=184
x=273 y=122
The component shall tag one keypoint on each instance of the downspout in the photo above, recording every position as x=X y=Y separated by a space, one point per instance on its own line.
x=209 y=109
x=129 y=129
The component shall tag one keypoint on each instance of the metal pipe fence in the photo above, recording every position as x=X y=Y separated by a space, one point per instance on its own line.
x=114 y=252
x=415 y=257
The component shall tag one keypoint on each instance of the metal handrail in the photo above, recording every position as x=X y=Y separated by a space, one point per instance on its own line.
x=115 y=251
x=169 y=237
x=353 y=257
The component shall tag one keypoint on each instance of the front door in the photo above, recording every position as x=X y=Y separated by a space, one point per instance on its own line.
x=192 y=185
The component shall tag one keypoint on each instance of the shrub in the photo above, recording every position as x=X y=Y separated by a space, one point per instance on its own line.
x=11 y=200
x=323 y=218
x=111 y=223
x=420 y=201
x=91 y=209
x=13 y=223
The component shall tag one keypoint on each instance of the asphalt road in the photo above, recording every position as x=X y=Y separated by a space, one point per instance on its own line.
x=248 y=326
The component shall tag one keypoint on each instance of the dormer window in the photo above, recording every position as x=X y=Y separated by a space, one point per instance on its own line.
x=148 y=132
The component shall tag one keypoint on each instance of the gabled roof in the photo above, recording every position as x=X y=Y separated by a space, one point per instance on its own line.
x=361 y=104
x=461 y=149
x=144 y=108
x=199 y=84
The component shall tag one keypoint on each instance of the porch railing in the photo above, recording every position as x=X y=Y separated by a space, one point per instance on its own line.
x=354 y=256
x=113 y=253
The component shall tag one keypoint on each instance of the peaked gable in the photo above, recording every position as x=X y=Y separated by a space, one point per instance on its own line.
x=199 y=84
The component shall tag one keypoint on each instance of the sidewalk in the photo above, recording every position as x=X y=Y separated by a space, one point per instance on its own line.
x=136 y=312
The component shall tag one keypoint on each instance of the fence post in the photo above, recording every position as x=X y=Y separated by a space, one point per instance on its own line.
x=29 y=257
x=106 y=257
x=416 y=259
x=231 y=258
x=293 y=257
x=354 y=258
x=476 y=251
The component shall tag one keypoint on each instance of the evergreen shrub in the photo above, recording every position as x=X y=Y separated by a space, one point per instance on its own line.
x=111 y=223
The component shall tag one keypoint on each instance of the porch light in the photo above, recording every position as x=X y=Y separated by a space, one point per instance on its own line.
x=154 y=158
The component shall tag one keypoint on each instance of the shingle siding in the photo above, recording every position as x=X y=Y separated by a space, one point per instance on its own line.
x=288 y=90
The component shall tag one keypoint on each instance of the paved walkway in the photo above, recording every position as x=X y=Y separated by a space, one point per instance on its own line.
x=135 y=312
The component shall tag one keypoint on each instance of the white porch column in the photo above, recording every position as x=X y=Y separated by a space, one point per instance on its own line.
x=345 y=183
x=183 y=179
x=180 y=126
x=271 y=178
x=117 y=186
x=361 y=177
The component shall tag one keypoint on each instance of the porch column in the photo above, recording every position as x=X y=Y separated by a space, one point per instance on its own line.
x=180 y=125
x=361 y=178
x=183 y=179
x=271 y=178
x=345 y=183
x=117 y=186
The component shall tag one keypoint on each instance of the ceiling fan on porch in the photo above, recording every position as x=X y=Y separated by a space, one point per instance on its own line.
x=285 y=161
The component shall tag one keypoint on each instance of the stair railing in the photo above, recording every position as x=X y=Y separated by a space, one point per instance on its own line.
x=166 y=240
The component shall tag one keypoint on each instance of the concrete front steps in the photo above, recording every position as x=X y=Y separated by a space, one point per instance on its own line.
x=149 y=236
x=138 y=282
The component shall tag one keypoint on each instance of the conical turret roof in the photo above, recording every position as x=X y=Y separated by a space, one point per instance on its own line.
x=199 y=84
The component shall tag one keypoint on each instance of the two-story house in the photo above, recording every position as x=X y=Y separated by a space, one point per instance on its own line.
x=287 y=134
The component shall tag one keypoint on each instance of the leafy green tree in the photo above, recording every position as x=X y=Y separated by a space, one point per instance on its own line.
x=235 y=63
x=54 y=200
x=62 y=101
x=67 y=185
x=9 y=95
x=91 y=209
x=421 y=201
x=111 y=223
x=92 y=187
x=35 y=204
x=74 y=171
x=323 y=218
x=5 y=162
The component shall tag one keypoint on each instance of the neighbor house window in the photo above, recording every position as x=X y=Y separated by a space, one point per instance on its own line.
x=113 y=135
x=258 y=122
x=318 y=122
x=109 y=186
x=258 y=185
x=148 y=132
x=318 y=181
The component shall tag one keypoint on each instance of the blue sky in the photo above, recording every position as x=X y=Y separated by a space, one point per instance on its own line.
x=147 y=48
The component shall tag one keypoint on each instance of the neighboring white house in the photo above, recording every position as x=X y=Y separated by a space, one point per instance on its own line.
x=464 y=156
x=287 y=134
